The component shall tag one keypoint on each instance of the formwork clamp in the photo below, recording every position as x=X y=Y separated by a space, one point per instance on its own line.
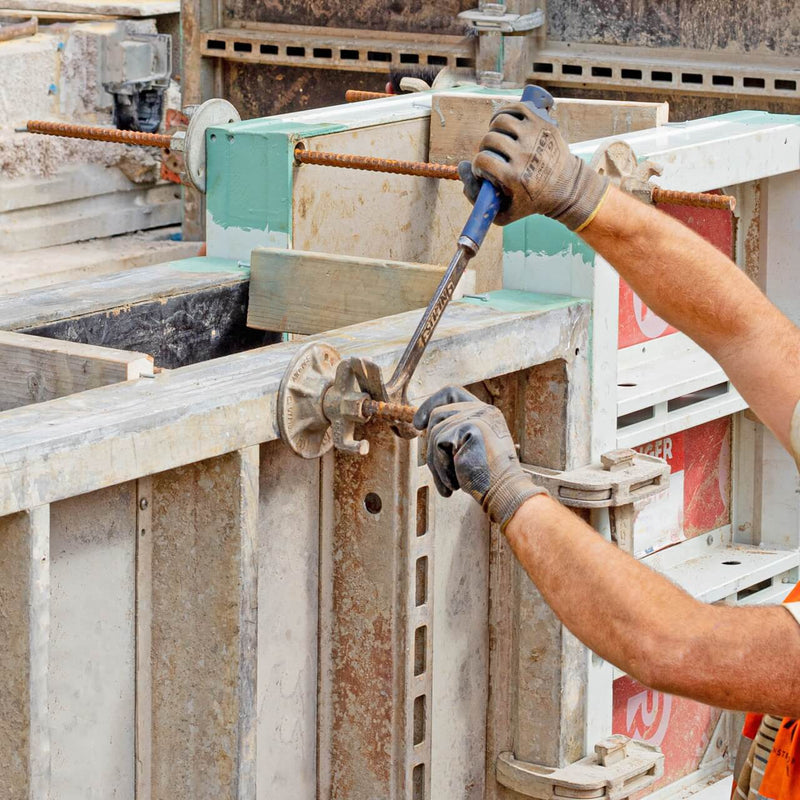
x=618 y=769
x=623 y=477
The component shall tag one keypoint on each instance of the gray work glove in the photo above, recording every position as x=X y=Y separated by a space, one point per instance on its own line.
x=527 y=158
x=470 y=448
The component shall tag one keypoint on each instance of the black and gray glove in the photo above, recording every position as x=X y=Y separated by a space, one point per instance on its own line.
x=470 y=448
x=527 y=158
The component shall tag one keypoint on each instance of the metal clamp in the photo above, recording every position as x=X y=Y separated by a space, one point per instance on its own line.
x=618 y=769
x=622 y=478
x=492 y=17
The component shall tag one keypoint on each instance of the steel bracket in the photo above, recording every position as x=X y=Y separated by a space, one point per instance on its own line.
x=493 y=18
x=618 y=768
x=622 y=478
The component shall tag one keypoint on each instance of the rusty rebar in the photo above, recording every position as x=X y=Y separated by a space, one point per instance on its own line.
x=98 y=134
x=420 y=169
x=357 y=95
x=394 y=412
x=723 y=202
x=16 y=30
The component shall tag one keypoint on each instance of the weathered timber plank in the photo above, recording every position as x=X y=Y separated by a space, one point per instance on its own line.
x=459 y=121
x=36 y=369
x=77 y=443
x=24 y=662
x=376 y=215
x=204 y=637
x=28 y=309
x=114 y=8
x=302 y=292
x=180 y=312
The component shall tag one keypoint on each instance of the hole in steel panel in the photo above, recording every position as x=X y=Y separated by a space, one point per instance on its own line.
x=422 y=510
x=269 y=49
x=691 y=77
x=215 y=44
x=601 y=72
x=420 y=648
x=722 y=80
x=323 y=52
x=571 y=69
x=542 y=66
x=632 y=74
x=754 y=83
x=418 y=782
x=243 y=47
x=661 y=75
x=419 y=719
x=373 y=503
x=785 y=85
x=376 y=55
x=421 y=582
x=437 y=61
x=409 y=58
x=349 y=55
x=295 y=50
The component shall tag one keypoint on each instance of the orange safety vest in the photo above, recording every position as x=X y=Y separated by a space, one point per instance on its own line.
x=771 y=747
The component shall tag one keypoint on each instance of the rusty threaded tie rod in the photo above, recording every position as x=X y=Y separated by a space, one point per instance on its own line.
x=448 y=172
x=396 y=412
x=420 y=169
x=723 y=202
x=98 y=134
x=358 y=95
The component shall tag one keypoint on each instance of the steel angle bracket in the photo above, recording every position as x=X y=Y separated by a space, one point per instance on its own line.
x=618 y=769
x=622 y=478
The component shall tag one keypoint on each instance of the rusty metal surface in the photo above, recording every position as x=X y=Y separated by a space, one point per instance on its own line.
x=358 y=95
x=97 y=133
x=370 y=646
x=723 y=202
x=419 y=169
x=16 y=30
x=388 y=411
x=389 y=15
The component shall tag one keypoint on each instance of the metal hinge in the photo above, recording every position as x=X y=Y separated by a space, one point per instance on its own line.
x=622 y=478
x=493 y=17
x=618 y=769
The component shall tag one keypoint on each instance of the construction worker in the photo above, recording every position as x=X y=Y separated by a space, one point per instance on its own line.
x=742 y=658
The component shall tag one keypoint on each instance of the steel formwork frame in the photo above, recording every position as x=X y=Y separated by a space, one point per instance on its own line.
x=223 y=555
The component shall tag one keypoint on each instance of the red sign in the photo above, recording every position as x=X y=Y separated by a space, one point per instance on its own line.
x=637 y=323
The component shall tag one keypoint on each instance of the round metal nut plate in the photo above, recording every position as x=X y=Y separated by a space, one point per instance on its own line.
x=210 y=114
x=301 y=420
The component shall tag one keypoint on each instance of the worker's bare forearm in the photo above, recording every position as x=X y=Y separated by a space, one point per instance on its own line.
x=647 y=626
x=700 y=291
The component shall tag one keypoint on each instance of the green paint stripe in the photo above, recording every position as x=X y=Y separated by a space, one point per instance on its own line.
x=516 y=302
x=206 y=264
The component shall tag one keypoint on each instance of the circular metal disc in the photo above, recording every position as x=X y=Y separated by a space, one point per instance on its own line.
x=210 y=114
x=301 y=420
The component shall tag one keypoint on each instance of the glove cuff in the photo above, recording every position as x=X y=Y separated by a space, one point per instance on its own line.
x=585 y=198
x=507 y=495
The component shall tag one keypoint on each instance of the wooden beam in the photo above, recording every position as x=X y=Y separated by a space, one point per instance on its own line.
x=459 y=121
x=302 y=292
x=36 y=369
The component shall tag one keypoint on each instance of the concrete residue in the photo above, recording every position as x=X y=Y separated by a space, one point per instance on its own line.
x=29 y=155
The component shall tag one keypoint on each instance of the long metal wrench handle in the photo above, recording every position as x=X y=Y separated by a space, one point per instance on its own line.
x=395 y=388
x=487 y=204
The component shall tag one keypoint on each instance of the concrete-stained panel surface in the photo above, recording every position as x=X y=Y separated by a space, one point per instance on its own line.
x=91 y=689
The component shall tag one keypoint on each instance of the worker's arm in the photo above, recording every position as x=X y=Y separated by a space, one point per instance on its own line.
x=693 y=286
x=680 y=276
x=737 y=658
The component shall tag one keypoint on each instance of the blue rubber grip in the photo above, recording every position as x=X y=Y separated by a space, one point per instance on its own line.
x=489 y=199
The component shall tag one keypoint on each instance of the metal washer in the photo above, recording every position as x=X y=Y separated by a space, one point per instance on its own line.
x=210 y=114
x=301 y=420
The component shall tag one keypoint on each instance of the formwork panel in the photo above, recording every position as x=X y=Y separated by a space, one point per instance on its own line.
x=91 y=675
x=288 y=618
x=204 y=632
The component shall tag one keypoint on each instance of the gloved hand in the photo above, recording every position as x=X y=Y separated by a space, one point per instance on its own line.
x=470 y=448
x=528 y=159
